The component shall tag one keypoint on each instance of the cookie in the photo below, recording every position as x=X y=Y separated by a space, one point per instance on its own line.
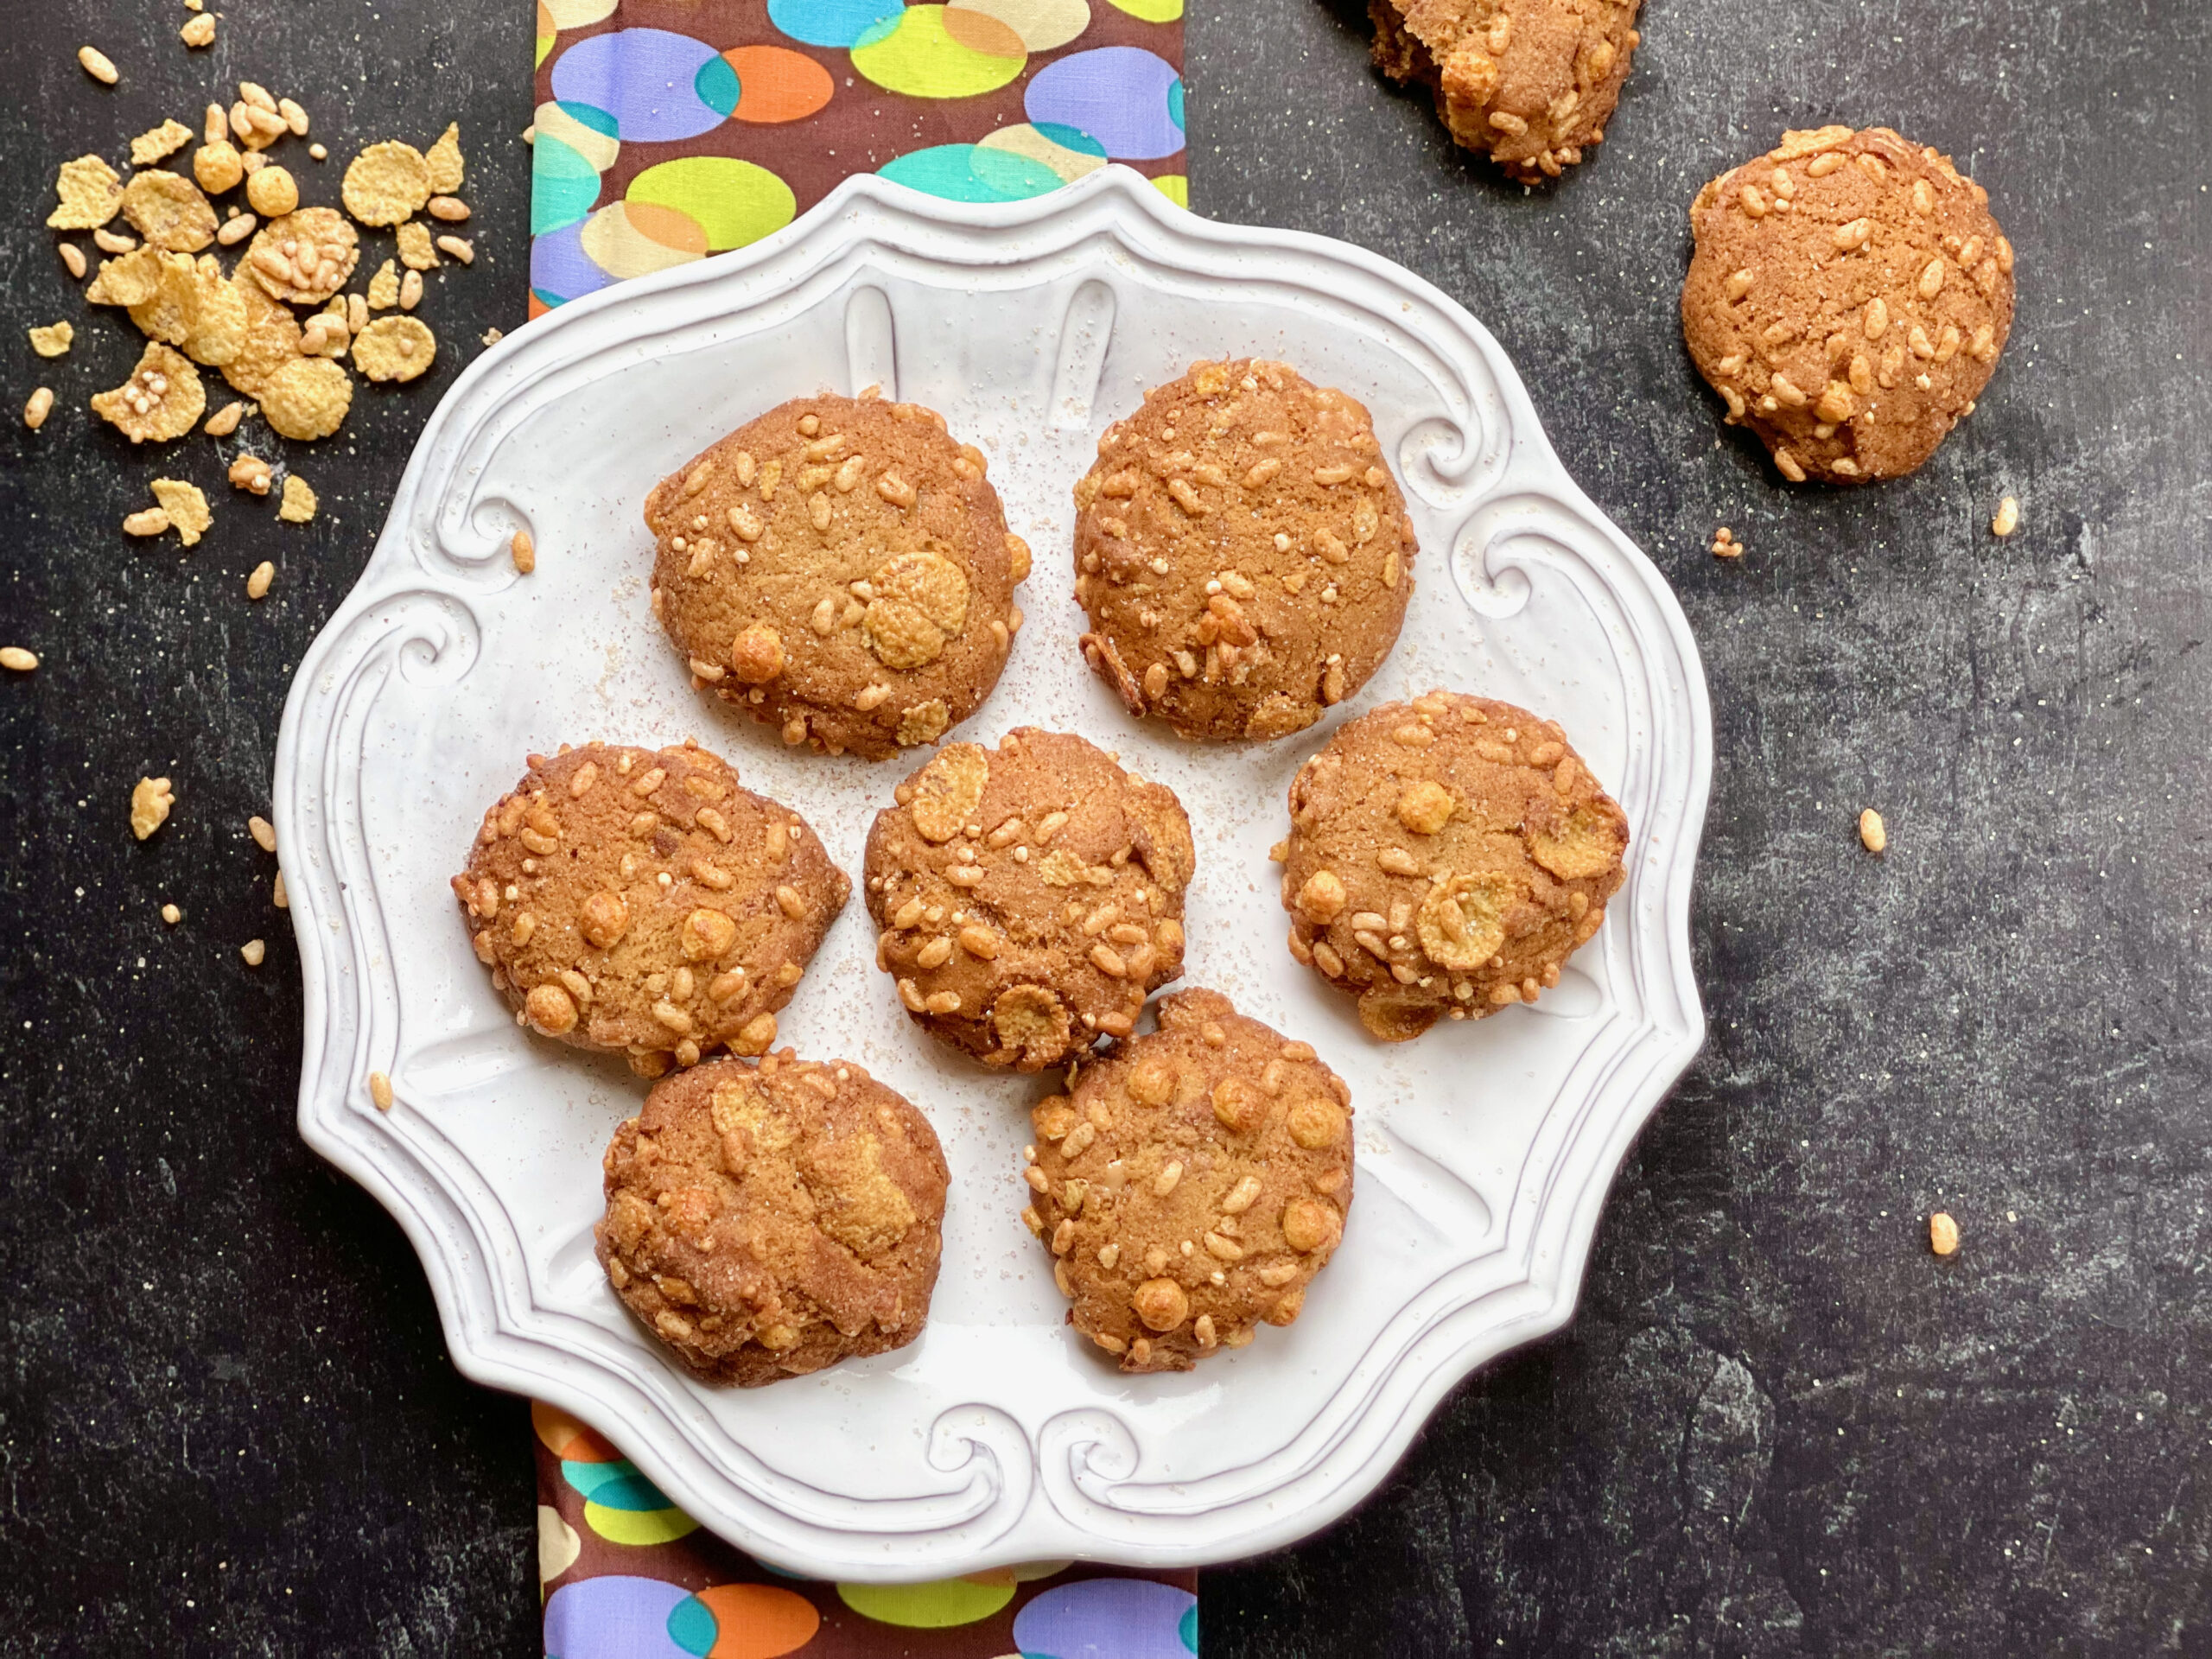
x=840 y=568
x=1243 y=551
x=1190 y=1184
x=643 y=902
x=1446 y=856
x=766 y=1221
x=1029 y=898
x=1530 y=82
x=1848 y=298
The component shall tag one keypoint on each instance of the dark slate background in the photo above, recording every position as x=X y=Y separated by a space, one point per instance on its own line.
x=1777 y=1425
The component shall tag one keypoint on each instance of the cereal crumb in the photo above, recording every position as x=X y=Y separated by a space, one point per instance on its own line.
x=18 y=660
x=251 y=474
x=257 y=585
x=225 y=420
x=444 y=161
x=73 y=258
x=89 y=192
x=1942 y=1234
x=1872 y=831
x=167 y=139
x=1724 y=545
x=415 y=252
x=524 y=551
x=199 y=30
x=98 y=65
x=277 y=896
x=150 y=801
x=319 y=150
x=263 y=831
x=151 y=522
x=171 y=914
x=380 y=1090
x=253 y=950
x=299 y=503
x=52 y=339
x=187 y=510
x=2007 y=519
x=37 y=407
x=493 y=336
x=458 y=248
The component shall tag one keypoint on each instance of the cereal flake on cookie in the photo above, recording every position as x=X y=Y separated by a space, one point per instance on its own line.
x=1848 y=296
x=839 y=569
x=304 y=256
x=1028 y=898
x=1446 y=856
x=1190 y=1184
x=1530 y=83
x=642 y=902
x=1241 y=551
x=768 y=1221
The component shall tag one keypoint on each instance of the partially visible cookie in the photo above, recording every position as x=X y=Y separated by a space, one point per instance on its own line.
x=1847 y=299
x=630 y=900
x=1445 y=857
x=1029 y=897
x=841 y=569
x=1530 y=82
x=1243 y=551
x=768 y=1221
x=1191 y=1183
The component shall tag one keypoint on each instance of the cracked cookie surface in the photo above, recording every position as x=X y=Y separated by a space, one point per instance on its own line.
x=1028 y=898
x=766 y=1221
x=643 y=902
x=1191 y=1185
x=1242 y=552
x=1848 y=298
x=840 y=568
x=1446 y=856
x=1530 y=83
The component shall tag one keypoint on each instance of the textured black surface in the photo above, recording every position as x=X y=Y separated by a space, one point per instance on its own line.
x=1777 y=1425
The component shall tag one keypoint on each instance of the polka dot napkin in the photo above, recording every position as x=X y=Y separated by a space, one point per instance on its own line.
x=626 y=1575
x=671 y=129
x=668 y=130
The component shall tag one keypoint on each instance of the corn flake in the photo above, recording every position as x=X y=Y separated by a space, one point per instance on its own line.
x=298 y=505
x=166 y=314
x=307 y=398
x=168 y=210
x=162 y=399
x=386 y=183
x=164 y=140
x=187 y=507
x=127 y=280
x=395 y=348
x=91 y=194
x=271 y=338
x=416 y=250
x=383 y=288
x=304 y=256
x=53 y=338
x=444 y=161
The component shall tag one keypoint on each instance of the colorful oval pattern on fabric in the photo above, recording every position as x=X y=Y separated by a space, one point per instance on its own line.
x=743 y=1621
x=1128 y=1618
x=940 y=52
x=972 y=173
x=618 y=1617
x=1068 y=153
x=1151 y=11
x=560 y=269
x=730 y=202
x=926 y=1606
x=563 y=185
x=646 y=79
x=567 y=1439
x=1129 y=99
x=831 y=22
x=1040 y=24
x=776 y=83
x=589 y=132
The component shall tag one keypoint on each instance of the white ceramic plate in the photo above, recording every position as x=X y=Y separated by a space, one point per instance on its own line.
x=1484 y=1148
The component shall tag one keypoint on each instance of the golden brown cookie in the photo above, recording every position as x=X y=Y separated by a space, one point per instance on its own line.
x=1531 y=83
x=1191 y=1185
x=840 y=568
x=1030 y=897
x=1243 y=551
x=1847 y=299
x=768 y=1221
x=643 y=902
x=1446 y=856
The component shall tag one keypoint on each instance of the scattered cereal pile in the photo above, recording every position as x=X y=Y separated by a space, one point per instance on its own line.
x=278 y=324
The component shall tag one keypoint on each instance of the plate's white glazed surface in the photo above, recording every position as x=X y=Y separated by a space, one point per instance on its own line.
x=1484 y=1148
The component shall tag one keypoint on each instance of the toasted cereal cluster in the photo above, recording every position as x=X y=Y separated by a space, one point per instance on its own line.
x=1030 y=897
x=1190 y=1184
x=766 y=1221
x=839 y=569
x=1848 y=298
x=1243 y=551
x=1530 y=83
x=1446 y=856
x=644 y=903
